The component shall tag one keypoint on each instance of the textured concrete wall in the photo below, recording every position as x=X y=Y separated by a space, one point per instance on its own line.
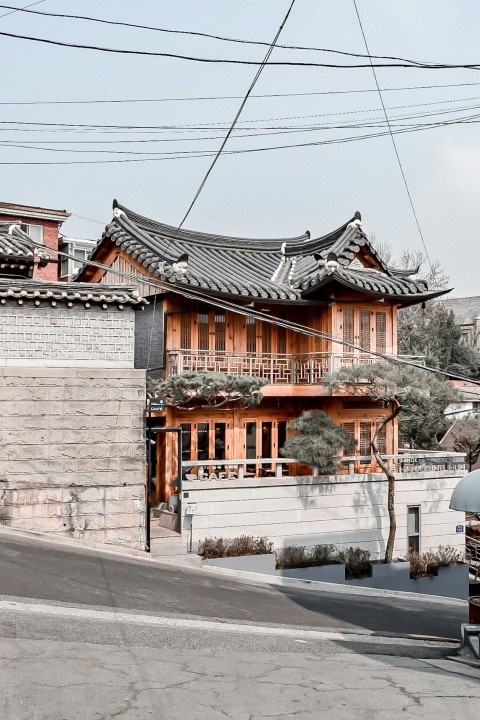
x=346 y=510
x=61 y=335
x=73 y=453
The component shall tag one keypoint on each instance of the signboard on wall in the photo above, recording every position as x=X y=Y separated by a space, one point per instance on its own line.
x=156 y=404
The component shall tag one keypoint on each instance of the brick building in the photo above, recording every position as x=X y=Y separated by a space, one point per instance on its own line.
x=42 y=226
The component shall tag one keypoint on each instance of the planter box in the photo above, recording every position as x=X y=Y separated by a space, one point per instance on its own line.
x=391 y=576
x=264 y=564
x=319 y=573
x=451 y=581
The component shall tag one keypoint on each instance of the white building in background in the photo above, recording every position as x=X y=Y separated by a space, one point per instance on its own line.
x=79 y=249
x=467 y=316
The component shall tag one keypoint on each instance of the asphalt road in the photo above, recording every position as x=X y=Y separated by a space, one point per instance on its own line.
x=35 y=569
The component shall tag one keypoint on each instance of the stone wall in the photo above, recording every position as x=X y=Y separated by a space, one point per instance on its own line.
x=345 y=510
x=66 y=336
x=72 y=449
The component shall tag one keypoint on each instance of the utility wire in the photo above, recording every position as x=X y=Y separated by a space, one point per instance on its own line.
x=224 y=125
x=33 y=145
x=239 y=112
x=22 y=9
x=194 y=58
x=229 y=97
x=199 y=296
x=200 y=34
x=190 y=154
x=393 y=139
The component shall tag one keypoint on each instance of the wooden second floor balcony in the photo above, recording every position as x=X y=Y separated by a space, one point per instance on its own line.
x=285 y=369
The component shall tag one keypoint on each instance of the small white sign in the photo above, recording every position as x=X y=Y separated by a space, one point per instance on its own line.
x=191 y=509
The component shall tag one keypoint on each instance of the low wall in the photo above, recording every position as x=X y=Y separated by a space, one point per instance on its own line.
x=73 y=452
x=345 y=510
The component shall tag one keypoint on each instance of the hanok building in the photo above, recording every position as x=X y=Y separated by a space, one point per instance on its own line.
x=336 y=284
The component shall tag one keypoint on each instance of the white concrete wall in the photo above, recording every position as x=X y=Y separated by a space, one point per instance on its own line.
x=343 y=510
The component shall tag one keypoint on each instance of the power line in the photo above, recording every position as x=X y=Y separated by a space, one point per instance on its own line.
x=200 y=34
x=231 y=97
x=22 y=9
x=193 y=294
x=230 y=61
x=205 y=127
x=239 y=111
x=190 y=154
x=32 y=145
x=393 y=140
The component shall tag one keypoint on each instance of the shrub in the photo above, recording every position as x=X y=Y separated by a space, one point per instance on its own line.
x=298 y=556
x=428 y=563
x=244 y=545
x=357 y=562
x=292 y=556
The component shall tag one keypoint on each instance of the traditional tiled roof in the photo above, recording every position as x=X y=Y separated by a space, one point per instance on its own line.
x=17 y=254
x=277 y=269
x=465 y=309
x=14 y=243
x=39 y=292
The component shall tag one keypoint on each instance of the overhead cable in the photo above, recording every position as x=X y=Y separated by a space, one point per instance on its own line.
x=239 y=112
x=199 y=34
x=393 y=140
x=230 y=97
x=232 y=61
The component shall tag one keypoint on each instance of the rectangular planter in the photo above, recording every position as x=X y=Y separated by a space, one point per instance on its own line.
x=264 y=564
x=320 y=573
x=451 y=581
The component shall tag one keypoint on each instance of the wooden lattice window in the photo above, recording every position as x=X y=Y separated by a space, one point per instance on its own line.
x=381 y=331
x=220 y=324
x=382 y=440
x=186 y=331
x=348 y=327
x=364 y=329
x=203 y=331
x=350 y=428
x=364 y=446
x=251 y=327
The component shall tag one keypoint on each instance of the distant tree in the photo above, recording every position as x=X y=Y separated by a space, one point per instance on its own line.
x=434 y=333
x=207 y=390
x=430 y=329
x=398 y=389
x=468 y=440
x=318 y=442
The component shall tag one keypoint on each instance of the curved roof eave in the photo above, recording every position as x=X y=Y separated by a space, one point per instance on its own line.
x=403 y=299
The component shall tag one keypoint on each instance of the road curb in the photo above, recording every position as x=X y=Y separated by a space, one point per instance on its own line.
x=332 y=587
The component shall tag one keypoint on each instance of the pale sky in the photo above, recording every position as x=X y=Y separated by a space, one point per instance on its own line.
x=279 y=193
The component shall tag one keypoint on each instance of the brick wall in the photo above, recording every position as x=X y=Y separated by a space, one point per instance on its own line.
x=62 y=335
x=50 y=239
x=73 y=452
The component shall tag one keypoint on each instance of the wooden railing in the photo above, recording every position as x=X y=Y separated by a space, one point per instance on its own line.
x=307 y=368
x=240 y=469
